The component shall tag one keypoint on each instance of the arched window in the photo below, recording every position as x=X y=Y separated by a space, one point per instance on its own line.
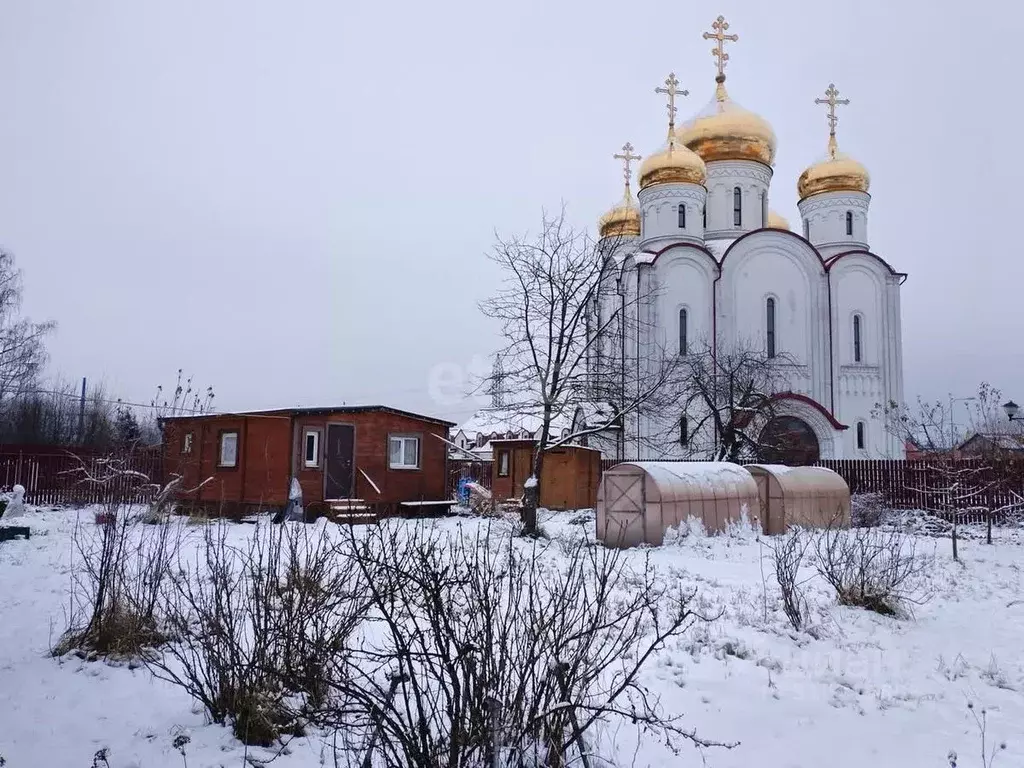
x=737 y=207
x=857 y=352
x=770 y=325
x=682 y=332
x=682 y=215
x=807 y=229
x=705 y=214
x=849 y=223
x=764 y=209
x=860 y=436
x=684 y=431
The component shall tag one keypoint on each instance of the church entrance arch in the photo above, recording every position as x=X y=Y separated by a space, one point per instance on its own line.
x=788 y=440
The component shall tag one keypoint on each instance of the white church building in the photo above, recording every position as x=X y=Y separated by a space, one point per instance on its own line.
x=728 y=269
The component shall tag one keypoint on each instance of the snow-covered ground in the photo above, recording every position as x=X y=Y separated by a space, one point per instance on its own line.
x=857 y=690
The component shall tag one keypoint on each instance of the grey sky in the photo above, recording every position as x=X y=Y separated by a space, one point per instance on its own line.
x=292 y=200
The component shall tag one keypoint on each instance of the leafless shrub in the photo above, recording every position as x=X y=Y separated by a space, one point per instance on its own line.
x=489 y=644
x=256 y=628
x=867 y=510
x=787 y=554
x=872 y=568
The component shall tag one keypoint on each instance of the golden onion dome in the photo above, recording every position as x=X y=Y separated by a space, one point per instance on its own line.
x=623 y=220
x=836 y=173
x=675 y=164
x=726 y=131
x=776 y=221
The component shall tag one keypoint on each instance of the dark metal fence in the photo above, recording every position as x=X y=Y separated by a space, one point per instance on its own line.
x=59 y=475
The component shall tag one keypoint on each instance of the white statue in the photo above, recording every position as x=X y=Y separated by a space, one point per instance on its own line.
x=16 y=506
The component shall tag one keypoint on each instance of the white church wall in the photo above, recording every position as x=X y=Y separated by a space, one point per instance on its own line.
x=862 y=286
x=659 y=211
x=682 y=280
x=724 y=176
x=775 y=265
x=824 y=221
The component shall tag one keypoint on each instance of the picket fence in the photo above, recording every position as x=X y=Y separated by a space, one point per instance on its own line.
x=57 y=475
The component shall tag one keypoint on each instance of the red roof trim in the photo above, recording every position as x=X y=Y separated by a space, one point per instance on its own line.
x=814 y=404
x=832 y=260
x=801 y=238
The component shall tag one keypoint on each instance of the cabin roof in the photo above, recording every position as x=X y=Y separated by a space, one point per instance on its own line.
x=315 y=411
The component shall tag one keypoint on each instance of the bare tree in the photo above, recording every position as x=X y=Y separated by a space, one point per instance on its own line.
x=22 y=350
x=551 y=284
x=728 y=399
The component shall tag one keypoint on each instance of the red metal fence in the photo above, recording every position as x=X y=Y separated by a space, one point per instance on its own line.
x=67 y=475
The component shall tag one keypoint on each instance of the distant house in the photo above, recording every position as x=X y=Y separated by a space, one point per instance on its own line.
x=490 y=424
x=241 y=462
x=991 y=442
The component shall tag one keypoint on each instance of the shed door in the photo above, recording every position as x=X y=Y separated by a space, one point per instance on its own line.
x=339 y=461
x=624 y=498
x=522 y=468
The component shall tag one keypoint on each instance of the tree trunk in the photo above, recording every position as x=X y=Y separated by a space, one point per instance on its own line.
x=531 y=491
x=956 y=557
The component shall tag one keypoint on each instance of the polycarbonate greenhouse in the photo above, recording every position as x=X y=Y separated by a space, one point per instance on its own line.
x=810 y=497
x=638 y=501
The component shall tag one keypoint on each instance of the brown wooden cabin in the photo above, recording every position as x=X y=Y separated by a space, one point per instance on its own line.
x=571 y=474
x=377 y=455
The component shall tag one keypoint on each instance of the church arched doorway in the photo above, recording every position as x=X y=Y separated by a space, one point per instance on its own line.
x=788 y=440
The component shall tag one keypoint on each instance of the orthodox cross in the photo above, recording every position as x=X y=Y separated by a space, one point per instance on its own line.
x=720 y=25
x=833 y=100
x=672 y=90
x=627 y=157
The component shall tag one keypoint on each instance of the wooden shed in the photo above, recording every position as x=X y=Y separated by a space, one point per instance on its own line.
x=378 y=456
x=811 y=497
x=570 y=475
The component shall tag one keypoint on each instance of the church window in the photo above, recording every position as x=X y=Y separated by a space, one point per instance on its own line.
x=764 y=209
x=705 y=214
x=849 y=223
x=770 y=325
x=807 y=229
x=860 y=436
x=682 y=332
x=857 y=352
x=682 y=216
x=737 y=207
x=684 y=431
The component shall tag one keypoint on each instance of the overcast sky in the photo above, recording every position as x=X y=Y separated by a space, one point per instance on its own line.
x=293 y=200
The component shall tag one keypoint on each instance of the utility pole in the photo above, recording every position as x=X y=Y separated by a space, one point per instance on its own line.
x=81 y=415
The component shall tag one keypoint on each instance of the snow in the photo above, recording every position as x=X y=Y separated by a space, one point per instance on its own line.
x=856 y=689
x=531 y=482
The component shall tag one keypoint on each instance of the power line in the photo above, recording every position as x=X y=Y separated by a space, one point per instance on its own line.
x=76 y=397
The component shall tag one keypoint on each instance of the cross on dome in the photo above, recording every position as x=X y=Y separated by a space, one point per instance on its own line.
x=832 y=100
x=627 y=157
x=672 y=90
x=720 y=25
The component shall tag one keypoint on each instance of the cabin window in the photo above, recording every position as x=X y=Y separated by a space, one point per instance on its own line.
x=856 y=339
x=770 y=325
x=860 y=435
x=403 y=452
x=311 y=448
x=682 y=332
x=737 y=207
x=186 y=443
x=684 y=431
x=228 y=456
x=682 y=216
x=502 y=463
x=849 y=223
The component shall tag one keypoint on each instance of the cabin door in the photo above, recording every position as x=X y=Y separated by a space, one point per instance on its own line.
x=339 y=461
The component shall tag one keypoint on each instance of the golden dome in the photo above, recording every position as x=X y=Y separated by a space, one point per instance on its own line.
x=621 y=221
x=836 y=173
x=727 y=131
x=673 y=165
x=775 y=221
